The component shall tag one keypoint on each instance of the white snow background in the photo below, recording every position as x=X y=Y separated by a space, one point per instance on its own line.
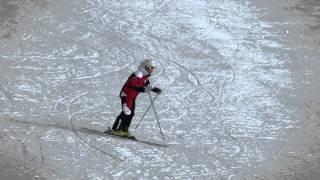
x=222 y=68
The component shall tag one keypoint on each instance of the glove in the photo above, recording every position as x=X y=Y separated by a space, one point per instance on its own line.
x=156 y=90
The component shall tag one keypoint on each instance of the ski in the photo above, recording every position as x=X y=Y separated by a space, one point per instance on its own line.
x=109 y=134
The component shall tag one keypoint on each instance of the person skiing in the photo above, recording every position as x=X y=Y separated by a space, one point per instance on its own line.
x=138 y=82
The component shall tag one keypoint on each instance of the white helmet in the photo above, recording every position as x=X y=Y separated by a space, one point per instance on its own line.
x=147 y=63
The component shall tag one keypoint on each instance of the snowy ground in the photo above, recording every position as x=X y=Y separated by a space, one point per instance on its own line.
x=240 y=80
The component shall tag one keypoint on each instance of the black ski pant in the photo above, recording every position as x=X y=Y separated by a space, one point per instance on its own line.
x=123 y=121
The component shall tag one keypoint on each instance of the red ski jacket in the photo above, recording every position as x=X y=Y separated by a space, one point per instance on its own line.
x=135 y=84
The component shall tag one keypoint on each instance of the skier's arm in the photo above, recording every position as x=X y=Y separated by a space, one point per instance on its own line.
x=135 y=84
x=149 y=87
x=153 y=89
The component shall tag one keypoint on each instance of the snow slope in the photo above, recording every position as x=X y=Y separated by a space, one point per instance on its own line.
x=224 y=70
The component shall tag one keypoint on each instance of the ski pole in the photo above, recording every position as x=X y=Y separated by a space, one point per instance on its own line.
x=155 y=113
x=146 y=111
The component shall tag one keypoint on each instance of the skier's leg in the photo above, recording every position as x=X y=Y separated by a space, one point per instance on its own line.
x=118 y=121
x=124 y=121
x=126 y=113
x=130 y=117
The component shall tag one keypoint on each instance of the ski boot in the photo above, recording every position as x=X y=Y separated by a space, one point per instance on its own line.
x=118 y=133
x=128 y=135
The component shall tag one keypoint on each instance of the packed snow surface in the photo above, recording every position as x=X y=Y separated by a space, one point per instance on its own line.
x=222 y=68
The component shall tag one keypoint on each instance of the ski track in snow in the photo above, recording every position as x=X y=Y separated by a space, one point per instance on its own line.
x=217 y=111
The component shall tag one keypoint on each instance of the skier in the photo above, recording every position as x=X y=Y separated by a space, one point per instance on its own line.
x=137 y=82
